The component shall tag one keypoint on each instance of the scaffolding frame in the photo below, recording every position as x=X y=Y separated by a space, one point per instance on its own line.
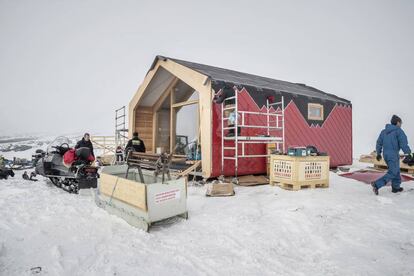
x=121 y=132
x=275 y=120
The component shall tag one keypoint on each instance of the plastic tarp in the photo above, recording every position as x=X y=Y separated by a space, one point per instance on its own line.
x=368 y=176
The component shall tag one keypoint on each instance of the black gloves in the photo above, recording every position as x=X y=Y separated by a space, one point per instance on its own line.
x=409 y=159
x=379 y=157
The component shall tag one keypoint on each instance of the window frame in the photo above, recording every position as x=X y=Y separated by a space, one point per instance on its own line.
x=315 y=118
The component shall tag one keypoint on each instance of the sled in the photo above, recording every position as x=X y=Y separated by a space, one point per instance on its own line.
x=140 y=203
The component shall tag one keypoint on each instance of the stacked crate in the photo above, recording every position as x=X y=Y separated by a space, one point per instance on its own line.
x=296 y=172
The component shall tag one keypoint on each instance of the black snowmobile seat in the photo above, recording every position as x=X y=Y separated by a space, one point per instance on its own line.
x=83 y=153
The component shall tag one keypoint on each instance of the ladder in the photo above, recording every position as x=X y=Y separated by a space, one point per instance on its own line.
x=121 y=132
x=275 y=113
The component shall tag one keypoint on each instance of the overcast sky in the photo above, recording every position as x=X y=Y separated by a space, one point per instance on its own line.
x=65 y=66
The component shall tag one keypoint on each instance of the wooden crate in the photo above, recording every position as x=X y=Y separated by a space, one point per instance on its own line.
x=295 y=173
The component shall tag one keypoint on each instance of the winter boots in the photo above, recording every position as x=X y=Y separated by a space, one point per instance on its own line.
x=397 y=190
x=374 y=188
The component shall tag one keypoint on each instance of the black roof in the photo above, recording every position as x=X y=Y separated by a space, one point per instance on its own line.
x=217 y=74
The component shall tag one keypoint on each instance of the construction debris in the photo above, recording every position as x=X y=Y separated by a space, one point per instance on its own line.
x=217 y=188
x=190 y=169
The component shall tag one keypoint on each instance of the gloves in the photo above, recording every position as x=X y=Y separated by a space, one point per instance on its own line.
x=406 y=159
x=409 y=159
x=379 y=157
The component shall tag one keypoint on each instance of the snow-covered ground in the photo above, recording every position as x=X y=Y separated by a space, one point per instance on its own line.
x=262 y=230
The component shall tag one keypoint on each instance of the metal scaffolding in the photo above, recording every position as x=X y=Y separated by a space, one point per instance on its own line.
x=121 y=132
x=274 y=121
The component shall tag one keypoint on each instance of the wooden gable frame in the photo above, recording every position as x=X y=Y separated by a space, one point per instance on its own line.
x=199 y=83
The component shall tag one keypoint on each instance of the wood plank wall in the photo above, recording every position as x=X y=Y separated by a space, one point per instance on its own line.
x=163 y=131
x=143 y=125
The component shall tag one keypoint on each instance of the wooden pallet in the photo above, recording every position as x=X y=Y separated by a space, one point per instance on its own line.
x=302 y=186
x=404 y=170
x=381 y=165
x=296 y=173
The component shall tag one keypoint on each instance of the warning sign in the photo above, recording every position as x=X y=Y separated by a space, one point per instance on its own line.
x=167 y=196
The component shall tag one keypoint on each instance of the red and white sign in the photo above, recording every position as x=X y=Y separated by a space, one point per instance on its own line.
x=167 y=196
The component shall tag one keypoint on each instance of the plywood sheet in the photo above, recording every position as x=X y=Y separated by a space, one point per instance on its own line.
x=144 y=126
x=128 y=191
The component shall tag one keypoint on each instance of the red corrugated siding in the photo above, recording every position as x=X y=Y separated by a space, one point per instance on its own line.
x=334 y=137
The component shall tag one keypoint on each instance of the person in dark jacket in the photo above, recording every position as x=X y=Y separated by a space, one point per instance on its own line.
x=135 y=144
x=85 y=143
x=390 y=141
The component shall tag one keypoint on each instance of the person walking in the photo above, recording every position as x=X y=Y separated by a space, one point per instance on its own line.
x=391 y=140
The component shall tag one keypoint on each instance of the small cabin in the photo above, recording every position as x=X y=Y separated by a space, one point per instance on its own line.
x=232 y=117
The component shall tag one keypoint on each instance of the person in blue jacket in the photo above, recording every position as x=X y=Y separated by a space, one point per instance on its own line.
x=390 y=141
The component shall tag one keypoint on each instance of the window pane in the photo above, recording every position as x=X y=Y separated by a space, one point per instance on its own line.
x=315 y=112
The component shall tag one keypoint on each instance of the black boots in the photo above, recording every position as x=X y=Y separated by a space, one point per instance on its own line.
x=397 y=190
x=374 y=188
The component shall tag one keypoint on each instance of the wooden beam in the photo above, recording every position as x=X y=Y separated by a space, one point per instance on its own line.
x=157 y=106
x=206 y=130
x=172 y=121
x=165 y=95
x=190 y=169
x=187 y=95
x=138 y=95
x=185 y=103
x=154 y=131
x=198 y=82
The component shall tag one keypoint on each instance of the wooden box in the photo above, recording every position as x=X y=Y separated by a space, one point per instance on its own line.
x=295 y=173
x=140 y=204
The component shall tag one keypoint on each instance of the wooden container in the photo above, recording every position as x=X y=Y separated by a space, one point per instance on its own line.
x=140 y=204
x=295 y=173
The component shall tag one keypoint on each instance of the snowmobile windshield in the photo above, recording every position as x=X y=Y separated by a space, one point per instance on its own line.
x=60 y=141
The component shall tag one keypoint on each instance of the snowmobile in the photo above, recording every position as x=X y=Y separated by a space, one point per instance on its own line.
x=70 y=177
x=5 y=173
